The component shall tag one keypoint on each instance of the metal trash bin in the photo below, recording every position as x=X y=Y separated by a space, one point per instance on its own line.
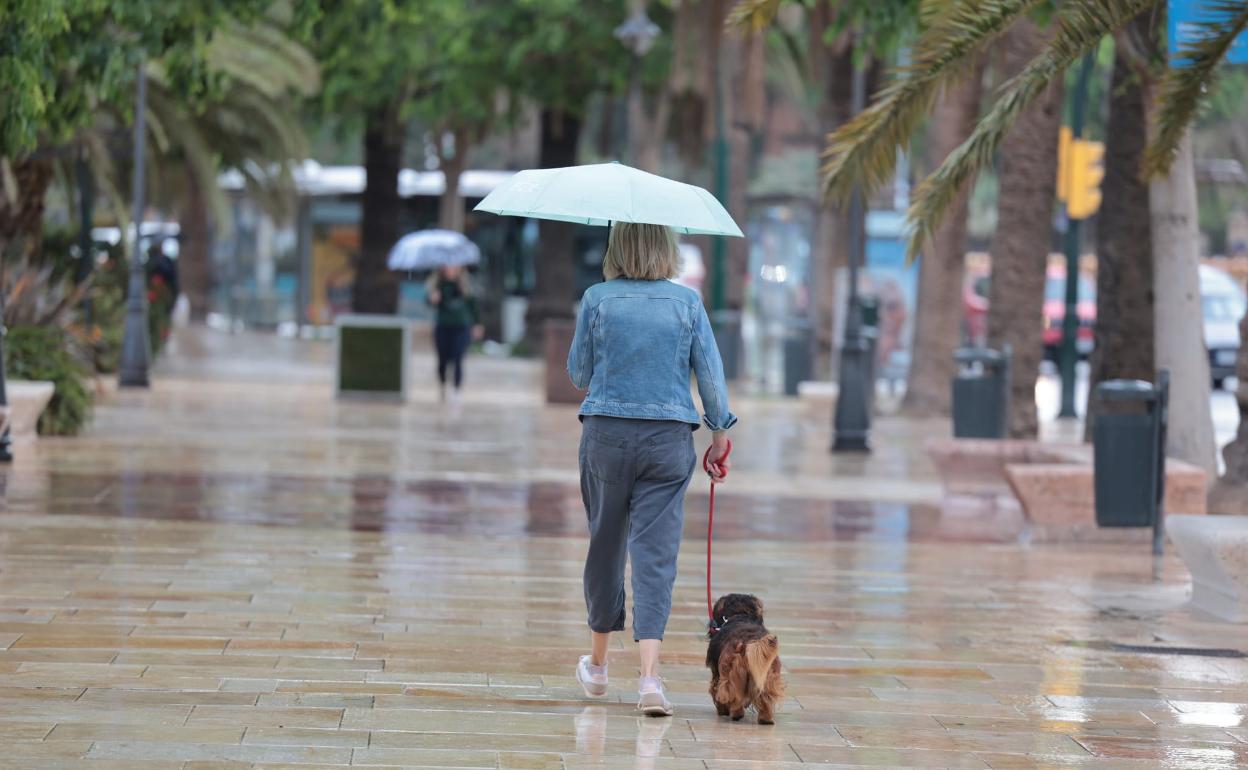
x=1128 y=453
x=981 y=393
x=799 y=340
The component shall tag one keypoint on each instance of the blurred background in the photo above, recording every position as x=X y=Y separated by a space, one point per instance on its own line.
x=288 y=145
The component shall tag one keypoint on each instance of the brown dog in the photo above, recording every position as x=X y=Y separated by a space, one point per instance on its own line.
x=744 y=659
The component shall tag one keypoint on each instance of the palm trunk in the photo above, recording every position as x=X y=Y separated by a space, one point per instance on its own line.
x=832 y=70
x=376 y=288
x=1124 y=247
x=554 y=291
x=744 y=105
x=1020 y=246
x=21 y=217
x=1230 y=494
x=1179 y=342
x=939 y=315
x=450 y=205
x=195 y=267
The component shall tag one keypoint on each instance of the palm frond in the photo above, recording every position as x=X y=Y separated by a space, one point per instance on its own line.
x=1187 y=82
x=266 y=58
x=754 y=15
x=864 y=150
x=1080 y=27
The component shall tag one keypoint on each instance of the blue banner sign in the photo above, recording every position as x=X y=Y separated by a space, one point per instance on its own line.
x=1185 y=27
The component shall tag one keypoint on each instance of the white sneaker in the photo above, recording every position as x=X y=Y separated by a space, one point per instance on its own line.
x=593 y=683
x=652 y=702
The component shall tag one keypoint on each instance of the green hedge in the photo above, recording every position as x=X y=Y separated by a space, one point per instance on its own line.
x=43 y=353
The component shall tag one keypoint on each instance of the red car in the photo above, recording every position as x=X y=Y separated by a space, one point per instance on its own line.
x=975 y=308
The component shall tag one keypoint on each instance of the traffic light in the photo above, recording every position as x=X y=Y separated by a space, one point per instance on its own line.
x=1079 y=174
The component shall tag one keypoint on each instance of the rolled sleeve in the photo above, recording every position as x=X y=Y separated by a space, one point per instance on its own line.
x=581 y=354
x=708 y=367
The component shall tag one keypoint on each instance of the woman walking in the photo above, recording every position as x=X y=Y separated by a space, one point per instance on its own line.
x=455 y=323
x=638 y=339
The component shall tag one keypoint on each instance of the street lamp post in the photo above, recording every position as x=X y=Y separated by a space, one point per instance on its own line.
x=637 y=34
x=1069 y=357
x=852 y=420
x=136 y=351
x=6 y=441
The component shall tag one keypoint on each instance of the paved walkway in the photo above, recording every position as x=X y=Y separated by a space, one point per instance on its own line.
x=234 y=571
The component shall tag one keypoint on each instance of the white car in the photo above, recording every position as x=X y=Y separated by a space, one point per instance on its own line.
x=1223 y=303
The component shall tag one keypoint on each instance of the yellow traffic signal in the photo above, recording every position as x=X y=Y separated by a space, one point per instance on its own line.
x=1079 y=174
x=1084 y=195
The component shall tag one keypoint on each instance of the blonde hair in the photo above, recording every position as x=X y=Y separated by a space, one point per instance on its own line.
x=642 y=252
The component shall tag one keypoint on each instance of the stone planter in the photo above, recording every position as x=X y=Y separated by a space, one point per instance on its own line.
x=556 y=342
x=27 y=400
x=1215 y=550
x=1008 y=489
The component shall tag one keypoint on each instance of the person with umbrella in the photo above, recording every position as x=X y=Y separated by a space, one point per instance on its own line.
x=449 y=292
x=456 y=323
x=639 y=338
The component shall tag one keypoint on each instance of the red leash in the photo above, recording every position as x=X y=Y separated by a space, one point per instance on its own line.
x=710 y=524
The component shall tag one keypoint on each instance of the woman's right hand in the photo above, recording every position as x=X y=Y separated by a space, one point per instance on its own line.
x=720 y=462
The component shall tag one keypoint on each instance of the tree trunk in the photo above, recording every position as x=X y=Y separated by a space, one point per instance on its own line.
x=1230 y=494
x=831 y=71
x=1124 y=248
x=1020 y=246
x=450 y=205
x=195 y=261
x=939 y=315
x=376 y=288
x=21 y=217
x=554 y=291
x=745 y=115
x=1178 y=319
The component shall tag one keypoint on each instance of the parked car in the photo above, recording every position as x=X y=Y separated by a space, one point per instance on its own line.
x=1223 y=304
x=975 y=308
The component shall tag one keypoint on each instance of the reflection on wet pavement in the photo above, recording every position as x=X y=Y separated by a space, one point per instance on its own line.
x=232 y=572
x=445 y=506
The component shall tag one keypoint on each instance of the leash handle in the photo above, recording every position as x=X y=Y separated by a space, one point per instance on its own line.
x=710 y=525
x=706 y=462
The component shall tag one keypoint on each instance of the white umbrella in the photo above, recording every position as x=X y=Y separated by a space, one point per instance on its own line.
x=603 y=193
x=428 y=249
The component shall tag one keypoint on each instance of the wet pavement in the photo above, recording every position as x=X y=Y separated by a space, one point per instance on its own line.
x=236 y=571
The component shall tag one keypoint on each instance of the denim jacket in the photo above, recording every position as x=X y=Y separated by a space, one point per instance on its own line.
x=636 y=344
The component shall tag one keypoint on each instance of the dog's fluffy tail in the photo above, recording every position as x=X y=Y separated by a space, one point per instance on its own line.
x=759 y=655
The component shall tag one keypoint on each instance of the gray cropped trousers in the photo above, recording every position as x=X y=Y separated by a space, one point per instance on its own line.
x=633 y=479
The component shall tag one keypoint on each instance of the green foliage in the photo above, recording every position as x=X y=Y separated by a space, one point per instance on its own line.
x=864 y=151
x=883 y=24
x=62 y=61
x=565 y=50
x=45 y=353
x=1080 y=26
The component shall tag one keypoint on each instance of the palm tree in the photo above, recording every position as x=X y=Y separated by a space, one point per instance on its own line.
x=864 y=152
x=1021 y=244
x=939 y=314
x=251 y=126
x=1124 y=337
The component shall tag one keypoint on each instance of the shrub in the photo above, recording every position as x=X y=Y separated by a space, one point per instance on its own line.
x=45 y=353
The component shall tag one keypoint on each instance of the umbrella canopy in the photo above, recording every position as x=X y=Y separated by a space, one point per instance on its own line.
x=603 y=193
x=427 y=249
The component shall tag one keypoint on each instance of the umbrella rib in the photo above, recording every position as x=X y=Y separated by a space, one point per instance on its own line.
x=708 y=210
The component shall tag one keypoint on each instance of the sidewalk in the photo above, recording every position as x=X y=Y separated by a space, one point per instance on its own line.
x=234 y=571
